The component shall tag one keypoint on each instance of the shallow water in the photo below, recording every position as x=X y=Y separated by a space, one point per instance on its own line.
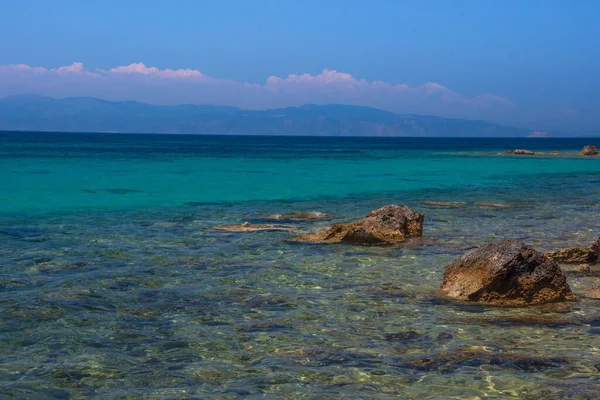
x=114 y=284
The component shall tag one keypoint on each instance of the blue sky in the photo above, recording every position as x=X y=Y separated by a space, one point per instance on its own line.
x=532 y=63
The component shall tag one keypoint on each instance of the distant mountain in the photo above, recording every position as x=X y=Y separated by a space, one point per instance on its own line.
x=84 y=114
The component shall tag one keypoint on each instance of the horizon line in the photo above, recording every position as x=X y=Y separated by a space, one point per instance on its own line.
x=4 y=131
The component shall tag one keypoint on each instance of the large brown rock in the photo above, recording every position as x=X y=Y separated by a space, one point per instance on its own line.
x=590 y=150
x=389 y=224
x=574 y=255
x=506 y=273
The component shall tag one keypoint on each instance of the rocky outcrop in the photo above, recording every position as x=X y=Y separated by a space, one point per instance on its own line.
x=389 y=224
x=521 y=152
x=590 y=150
x=506 y=273
x=573 y=255
x=296 y=216
x=247 y=227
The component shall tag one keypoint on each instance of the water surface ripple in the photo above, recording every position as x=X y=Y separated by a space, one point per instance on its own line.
x=114 y=284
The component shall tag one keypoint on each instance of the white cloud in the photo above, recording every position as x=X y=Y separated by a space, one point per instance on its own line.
x=140 y=68
x=139 y=82
x=75 y=68
x=326 y=77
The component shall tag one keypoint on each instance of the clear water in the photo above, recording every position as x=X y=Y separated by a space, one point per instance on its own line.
x=113 y=283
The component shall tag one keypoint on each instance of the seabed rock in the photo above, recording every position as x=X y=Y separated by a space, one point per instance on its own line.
x=247 y=227
x=389 y=224
x=590 y=150
x=297 y=216
x=506 y=273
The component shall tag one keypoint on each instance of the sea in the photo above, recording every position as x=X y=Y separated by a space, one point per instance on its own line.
x=115 y=284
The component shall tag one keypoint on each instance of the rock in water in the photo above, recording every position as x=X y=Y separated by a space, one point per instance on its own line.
x=584 y=269
x=522 y=152
x=574 y=255
x=389 y=224
x=596 y=247
x=594 y=293
x=506 y=273
x=590 y=150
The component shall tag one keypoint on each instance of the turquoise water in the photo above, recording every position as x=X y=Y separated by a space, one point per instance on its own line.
x=114 y=284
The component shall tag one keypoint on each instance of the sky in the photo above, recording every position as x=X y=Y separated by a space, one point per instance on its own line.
x=532 y=63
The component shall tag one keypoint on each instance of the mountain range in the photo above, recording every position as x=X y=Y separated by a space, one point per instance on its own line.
x=86 y=114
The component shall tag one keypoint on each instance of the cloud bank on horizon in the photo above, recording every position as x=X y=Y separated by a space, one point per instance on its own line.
x=139 y=82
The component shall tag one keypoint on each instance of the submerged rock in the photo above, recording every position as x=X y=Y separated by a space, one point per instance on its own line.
x=537 y=320
x=444 y=204
x=506 y=273
x=165 y=224
x=122 y=191
x=391 y=290
x=247 y=227
x=453 y=360
x=389 y=224
x=573 y=255
x=297 y=216
x=522 y=152
x=590 y=150
x=492 y=205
